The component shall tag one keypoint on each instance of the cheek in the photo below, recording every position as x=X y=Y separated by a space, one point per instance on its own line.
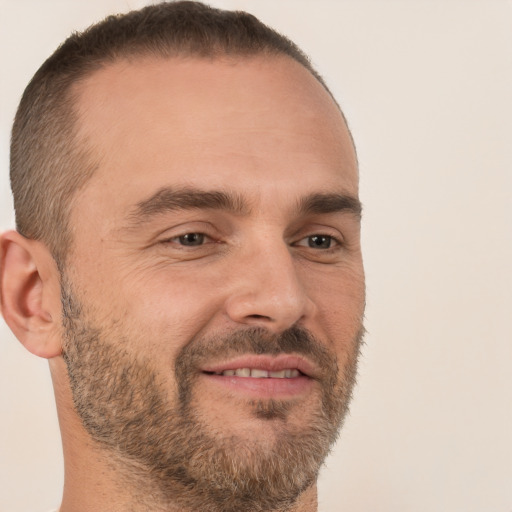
x=339 y=296
x=175 y=306
x=154 y=291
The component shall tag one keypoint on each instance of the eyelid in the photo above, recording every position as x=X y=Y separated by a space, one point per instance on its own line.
x=198 y=227
x=319 y=229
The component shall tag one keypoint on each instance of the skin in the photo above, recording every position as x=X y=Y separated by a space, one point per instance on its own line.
x=262 y=130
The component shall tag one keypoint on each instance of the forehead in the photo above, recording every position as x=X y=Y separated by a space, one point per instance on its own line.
x=153 y=122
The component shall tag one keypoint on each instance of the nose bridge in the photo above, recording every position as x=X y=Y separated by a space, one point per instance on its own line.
x=267 y=288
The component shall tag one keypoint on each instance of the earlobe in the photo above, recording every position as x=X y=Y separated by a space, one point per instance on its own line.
x=30 y=293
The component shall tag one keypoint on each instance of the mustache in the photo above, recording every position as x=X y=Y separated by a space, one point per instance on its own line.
x=258 y=341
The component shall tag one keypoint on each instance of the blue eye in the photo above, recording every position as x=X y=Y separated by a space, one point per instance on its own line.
x=191 y=239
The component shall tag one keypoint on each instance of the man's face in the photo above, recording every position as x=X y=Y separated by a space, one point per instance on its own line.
x=214 y=292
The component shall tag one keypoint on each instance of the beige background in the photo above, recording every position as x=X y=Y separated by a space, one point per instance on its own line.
x=426 y=85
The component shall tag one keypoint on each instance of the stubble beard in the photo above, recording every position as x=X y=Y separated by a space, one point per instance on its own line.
x=166 y=448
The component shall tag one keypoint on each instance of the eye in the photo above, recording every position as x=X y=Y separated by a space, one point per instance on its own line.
x=318 y=241
x=190 y=239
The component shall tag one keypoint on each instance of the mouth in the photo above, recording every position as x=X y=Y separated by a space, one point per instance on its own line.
x=282 y=366
x=281 y=377
x=258 y=373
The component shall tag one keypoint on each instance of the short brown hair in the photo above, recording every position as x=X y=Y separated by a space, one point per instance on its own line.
x=48 y=167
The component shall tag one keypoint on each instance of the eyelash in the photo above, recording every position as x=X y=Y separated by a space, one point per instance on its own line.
x=179 y=240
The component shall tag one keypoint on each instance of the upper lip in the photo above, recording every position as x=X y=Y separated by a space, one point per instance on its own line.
x=265 y=362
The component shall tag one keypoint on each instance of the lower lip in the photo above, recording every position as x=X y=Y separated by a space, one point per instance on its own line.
x=264 y=387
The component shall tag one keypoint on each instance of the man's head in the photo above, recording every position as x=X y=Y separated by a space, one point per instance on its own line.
x=201 y=203
x=48 y=163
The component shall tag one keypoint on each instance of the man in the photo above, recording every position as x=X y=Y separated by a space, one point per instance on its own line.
x=187 y=257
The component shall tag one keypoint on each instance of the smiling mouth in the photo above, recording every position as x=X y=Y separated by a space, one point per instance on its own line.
x=251 y=367
x=263 y=377
x=257 y=373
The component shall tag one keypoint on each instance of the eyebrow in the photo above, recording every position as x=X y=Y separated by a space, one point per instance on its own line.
x=168 y=200
x=330 y=203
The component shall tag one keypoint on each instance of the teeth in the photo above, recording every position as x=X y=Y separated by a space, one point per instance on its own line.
x=261 y=374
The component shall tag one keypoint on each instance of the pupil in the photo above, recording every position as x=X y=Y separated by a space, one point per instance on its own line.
x=192 y=239
x=320 y=242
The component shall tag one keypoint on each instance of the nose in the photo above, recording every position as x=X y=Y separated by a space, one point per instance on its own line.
x=267 y=290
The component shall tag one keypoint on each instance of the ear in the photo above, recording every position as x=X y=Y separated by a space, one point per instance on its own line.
x=30 y=294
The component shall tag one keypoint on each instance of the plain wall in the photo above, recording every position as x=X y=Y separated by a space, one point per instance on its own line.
x=426 y=86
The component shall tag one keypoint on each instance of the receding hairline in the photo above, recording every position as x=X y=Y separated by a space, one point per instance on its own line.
x=77 y=89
